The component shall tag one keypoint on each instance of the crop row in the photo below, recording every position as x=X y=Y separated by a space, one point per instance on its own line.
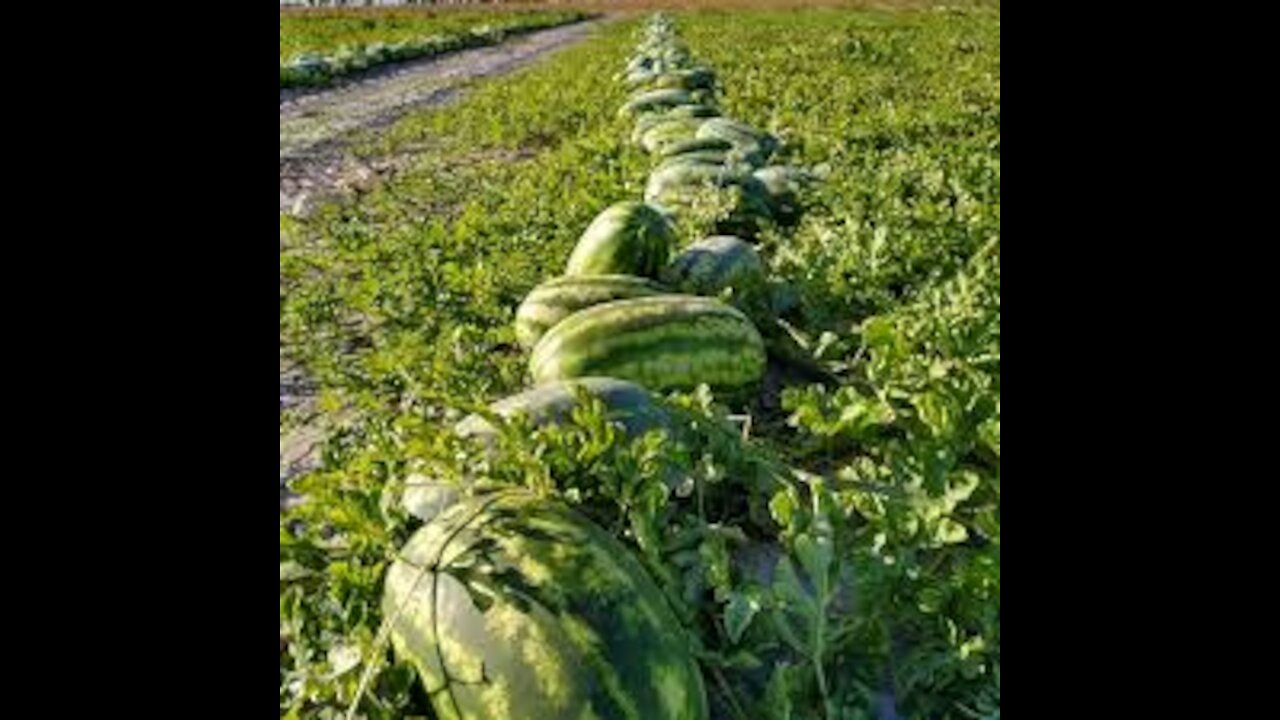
x=595 y=332
x=319 y=66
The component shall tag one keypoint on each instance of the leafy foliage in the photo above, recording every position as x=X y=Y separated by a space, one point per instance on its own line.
x=836 y=553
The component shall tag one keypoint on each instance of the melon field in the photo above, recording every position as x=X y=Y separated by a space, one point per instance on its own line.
x=656 y=377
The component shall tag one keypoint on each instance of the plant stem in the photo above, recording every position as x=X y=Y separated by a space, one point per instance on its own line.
x=727 y=692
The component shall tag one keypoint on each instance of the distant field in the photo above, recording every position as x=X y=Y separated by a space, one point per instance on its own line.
x=326 y=30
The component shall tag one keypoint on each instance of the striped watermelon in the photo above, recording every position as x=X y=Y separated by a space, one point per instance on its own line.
x=646 y=122
x=663 y=342
x=708 y=157
x=513 y=607
x=721 y=263
x=745 y=138
x=783 y=183
x=554 y=300
x=631 y=404
x=675 y=184
x=698 y=78
x=628 y=238
x=712 y=149
x=668 y=132
x=633 y=407
x=660 y=100
x=696 y=144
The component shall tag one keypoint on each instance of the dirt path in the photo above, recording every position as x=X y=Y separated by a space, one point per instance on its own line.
x=315 y=125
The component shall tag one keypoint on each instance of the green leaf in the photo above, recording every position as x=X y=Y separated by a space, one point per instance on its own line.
x=782 y=507
x=738 y=613
x=815 y=557
x=949 y=532
x=778 y=694
x=743 y=660
x=788 y=587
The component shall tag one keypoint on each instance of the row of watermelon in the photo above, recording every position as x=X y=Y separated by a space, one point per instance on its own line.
x=512 y=606
x=317 y=69
x=624 y=307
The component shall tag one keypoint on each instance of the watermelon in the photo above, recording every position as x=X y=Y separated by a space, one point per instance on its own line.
x=554 y=300
x=644 y=78
x=628 y=238
x=706 y=150
x=639 y=63
x=674 y=185
x=633 y=407
x=638 y=77
x=631 y=404
x=668 y=132
x=310 y=69
x=647 y=121
x=745 y=138
x=398 y=51
x=377 y=52
x=664 y=342
x=657 y=101
x=721 y=263
x=347 y=59
x=697 y=78
x=513 y=607
x=696 y=144
x=782 y=184
x=705 y=157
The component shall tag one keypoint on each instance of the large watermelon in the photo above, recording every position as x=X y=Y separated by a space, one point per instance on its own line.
x=517 y=608
x=696 y=144
x=721 y=150
x=782 y=184
x=668 y=132
x=633 y=407
x=745 y=138
x=710 y=157
x=658 y=101
x=721 y=263
x=675 y=184
x=554 y=300
x=664 y=342
x=628 y=238
x=647 y=121
x=698 y=78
